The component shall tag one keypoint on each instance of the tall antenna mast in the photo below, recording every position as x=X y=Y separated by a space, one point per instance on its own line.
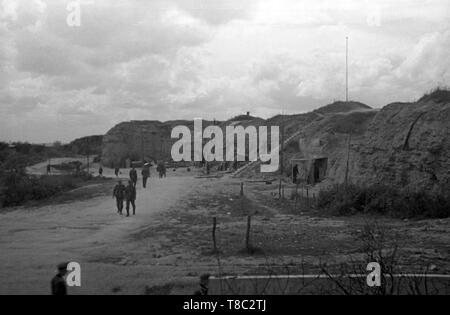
x=282 y=141
x=346 y=69
x=142 y=146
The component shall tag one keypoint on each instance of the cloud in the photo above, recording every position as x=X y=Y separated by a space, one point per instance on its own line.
x=218 y=12
x=428 y=60
x=171 y=59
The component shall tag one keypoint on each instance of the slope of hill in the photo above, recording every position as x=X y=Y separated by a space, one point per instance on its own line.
x=85 y=145
x=137 y=140
x=342 y=107
x=151 y=140
x=403 y=144
x=408 y=145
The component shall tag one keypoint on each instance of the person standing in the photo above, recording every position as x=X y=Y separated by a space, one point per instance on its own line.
x=204 y=285
x=117 y=171
x=130 y=196
x=145 y=175
x=133 y=176
x=119 y=194
x=58 y=284
x=164 y=170
x=295 y=173
x=158 y=169
x=100 y=171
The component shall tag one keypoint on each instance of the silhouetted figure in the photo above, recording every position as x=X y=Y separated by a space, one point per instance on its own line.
x=145 y=175
x=49 y=169
x=58 y=283
x=133 y=176
x=295 y=174
x=119 y=194
x=130 y=196
x=164 y=170
x=158 y=169
x=117 y=171
x=161 y=169
x=204 y=285
x=100 y=171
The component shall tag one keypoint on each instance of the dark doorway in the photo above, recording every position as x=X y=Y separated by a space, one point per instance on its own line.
x=319 y=171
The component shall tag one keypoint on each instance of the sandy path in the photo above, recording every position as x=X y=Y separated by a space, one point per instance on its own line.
x=33 y=241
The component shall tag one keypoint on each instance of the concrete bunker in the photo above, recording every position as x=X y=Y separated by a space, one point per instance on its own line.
x=311 y=171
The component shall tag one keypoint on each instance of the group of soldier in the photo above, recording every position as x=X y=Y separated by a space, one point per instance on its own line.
x=127 y=194
x=124 y=193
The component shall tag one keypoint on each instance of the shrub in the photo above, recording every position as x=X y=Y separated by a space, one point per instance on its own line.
x=20 y=188
x=385 y=200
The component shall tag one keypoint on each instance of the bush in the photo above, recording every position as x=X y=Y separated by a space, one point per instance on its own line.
x=20 y=188
x=385 y=200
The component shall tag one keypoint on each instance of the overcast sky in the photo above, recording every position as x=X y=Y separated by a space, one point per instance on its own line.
x=181 y=59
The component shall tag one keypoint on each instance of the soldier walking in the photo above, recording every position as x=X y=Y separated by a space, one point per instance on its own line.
x=158 y=169
x=164 y=170
x=133 y=176
x=119 y=194
x=130 y=196
x=145 y=175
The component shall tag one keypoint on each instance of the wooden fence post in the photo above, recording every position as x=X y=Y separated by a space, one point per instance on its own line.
x=279 y=190
x=242 y=198
x=307 y=197
x=302 y=195
x=247 y=237
x=214 y=234
x=318 y=198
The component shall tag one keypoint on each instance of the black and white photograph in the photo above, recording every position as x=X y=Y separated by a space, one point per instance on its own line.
x=224 y=152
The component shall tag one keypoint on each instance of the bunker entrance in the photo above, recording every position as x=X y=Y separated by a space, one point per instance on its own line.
x=319 y=172
x=311 y=171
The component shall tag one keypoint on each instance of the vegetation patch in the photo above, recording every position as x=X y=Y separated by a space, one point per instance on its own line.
x=385 y=200
x=18 y=188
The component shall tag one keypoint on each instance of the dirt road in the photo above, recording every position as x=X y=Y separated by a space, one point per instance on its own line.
x=34 y=240
x=168 y=244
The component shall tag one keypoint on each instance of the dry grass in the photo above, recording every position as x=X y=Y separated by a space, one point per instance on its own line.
x=385 y=200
